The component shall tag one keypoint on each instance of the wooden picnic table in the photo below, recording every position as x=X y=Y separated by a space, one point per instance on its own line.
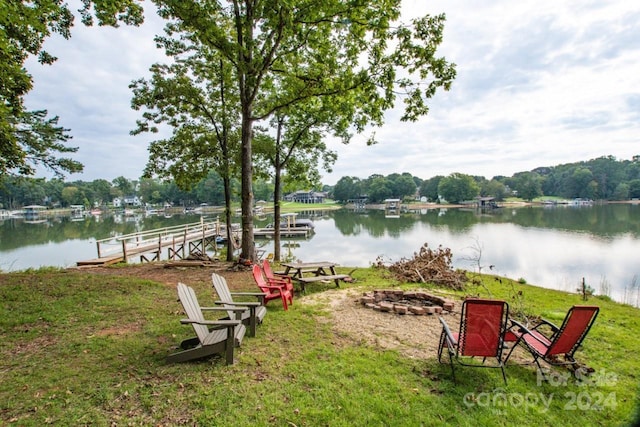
x=320 y=271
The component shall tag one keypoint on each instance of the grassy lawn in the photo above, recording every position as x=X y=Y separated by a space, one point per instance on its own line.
x=287 y=207
x=83 y=349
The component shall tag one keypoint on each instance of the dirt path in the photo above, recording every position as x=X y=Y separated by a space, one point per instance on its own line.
x=413 y=336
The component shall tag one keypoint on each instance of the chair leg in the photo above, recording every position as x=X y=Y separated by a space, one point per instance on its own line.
x=443 y=343
x=440 y=346
x=504 y=375
x=544 y=377
x=230 y=344
x=252 y=321
x=453 y=373
x=513 y=347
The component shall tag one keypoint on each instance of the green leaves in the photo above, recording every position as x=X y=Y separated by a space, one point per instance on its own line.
x=28 y=138
x=36 y=140
x=193 y=97
x=111 y=12
x=458 y=187
x=317 y=66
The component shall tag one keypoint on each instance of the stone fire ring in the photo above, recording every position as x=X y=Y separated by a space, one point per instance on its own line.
x=405 y=302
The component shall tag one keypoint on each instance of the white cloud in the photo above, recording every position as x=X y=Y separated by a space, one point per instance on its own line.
x=539 y=83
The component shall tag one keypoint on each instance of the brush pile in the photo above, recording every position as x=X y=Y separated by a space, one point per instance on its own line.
x=427 y=266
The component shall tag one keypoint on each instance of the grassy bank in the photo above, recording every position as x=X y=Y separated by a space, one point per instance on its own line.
x=80 y=348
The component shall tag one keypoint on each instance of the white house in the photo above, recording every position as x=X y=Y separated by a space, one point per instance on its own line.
x=127 y=201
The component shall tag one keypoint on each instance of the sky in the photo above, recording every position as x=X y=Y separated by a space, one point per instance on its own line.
x=539 y=83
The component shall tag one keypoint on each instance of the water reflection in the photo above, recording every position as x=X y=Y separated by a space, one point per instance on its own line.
x=551 y=247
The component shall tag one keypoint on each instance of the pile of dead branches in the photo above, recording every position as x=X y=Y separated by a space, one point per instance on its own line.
x=428 y=266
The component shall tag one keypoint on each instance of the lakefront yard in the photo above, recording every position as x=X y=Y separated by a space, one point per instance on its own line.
x=88 y=347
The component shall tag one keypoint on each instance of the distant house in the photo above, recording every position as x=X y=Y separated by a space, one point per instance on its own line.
x=127 y=201
x=132 y=201
x=301 y=196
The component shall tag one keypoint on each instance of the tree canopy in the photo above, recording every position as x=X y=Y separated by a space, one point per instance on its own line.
x=28 y=138
x=458 y=187
x=194 y=96
x=351 y=56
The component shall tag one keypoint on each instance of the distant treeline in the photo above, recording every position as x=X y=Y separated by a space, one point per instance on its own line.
x=604 y=178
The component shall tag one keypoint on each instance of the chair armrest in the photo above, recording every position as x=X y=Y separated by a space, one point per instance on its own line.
x=275 y=287
x=447 y=331
x=518 y=324
x=544 y=322
x=278 y=282
x=211 y=322
x=249 y=294
x=259 y=295
x=524 y=330
x=223 y=308
x=509 y=334
x=240 y=304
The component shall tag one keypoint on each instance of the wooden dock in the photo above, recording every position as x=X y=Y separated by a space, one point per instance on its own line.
x=180 y=242
x=284 y=232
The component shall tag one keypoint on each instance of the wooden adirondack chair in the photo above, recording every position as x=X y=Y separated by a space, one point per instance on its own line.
x=223 y=336
x=272 y=291
x=256 y=309
x=482 y=327
x=276 y=278
x=555 y=345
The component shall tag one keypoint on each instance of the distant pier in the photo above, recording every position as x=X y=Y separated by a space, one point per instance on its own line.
x=180 y=242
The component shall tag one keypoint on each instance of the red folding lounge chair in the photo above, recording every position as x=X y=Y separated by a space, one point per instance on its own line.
x=554 y=345
x=272 y=291
x=482 y=327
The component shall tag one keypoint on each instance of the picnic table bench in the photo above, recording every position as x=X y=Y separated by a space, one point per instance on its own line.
x=335 y=277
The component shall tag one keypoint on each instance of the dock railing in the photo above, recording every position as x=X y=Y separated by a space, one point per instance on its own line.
x=147 y=241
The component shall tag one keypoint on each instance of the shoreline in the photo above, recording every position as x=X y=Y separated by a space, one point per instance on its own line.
x=507 y=204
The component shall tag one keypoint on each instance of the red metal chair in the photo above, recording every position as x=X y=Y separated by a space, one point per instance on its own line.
x=554 y=345
x=272 y=290
x=276 y=278
x=483 y=324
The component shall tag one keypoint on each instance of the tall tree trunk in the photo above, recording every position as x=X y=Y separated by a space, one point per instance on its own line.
x=276 y=194
x=276 y=214
x=227 y=216
x=247 y=83
x=248 y=246
x=226 y=176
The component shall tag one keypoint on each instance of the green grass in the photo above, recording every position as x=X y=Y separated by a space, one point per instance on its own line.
x=287 y=207
x=83 y=349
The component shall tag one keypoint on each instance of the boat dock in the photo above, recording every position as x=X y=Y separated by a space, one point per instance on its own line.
x=284 y=232
x=180 y=242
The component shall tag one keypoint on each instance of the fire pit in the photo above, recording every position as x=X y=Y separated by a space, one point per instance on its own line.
x=404 y=302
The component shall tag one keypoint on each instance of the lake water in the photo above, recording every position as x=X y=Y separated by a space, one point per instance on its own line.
x=553 y=247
